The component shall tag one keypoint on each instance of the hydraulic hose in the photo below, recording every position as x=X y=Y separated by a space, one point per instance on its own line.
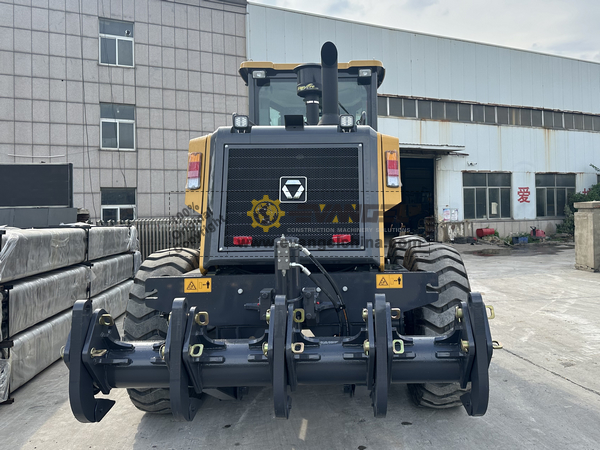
x=335 y=302
x=339 y=305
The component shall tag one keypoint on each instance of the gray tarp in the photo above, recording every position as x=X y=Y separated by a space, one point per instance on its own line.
x=109 y=271
x=29 y=252
x=105 y=241
x=38 y=347
x=34 y=299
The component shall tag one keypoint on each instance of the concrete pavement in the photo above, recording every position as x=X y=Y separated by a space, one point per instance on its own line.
x=545 y=385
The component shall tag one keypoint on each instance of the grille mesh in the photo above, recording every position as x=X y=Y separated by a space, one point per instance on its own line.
x=332 y=178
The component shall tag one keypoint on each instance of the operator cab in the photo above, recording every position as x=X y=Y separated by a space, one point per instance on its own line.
x=278 y=90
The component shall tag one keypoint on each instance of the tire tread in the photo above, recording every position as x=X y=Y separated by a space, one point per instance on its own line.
x=143 y=323
x=438 y=317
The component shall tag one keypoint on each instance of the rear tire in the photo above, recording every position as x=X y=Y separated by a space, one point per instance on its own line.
x=143 y=323
x=400 y=244
x=437 y=318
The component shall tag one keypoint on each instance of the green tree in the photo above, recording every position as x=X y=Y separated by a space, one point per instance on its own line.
x=568 y=225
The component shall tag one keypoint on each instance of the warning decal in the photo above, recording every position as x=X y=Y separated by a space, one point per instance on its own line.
x=192 y=285
x=389 y=281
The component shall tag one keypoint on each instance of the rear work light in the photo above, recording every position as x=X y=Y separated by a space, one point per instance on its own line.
x=194 y=168
x=341 y=238
x=346 y=121
x=393 y=169
x=242 y=240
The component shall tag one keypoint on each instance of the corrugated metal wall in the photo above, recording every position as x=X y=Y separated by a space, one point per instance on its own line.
x=419 y=65
x=428 y=66
x=164 y=233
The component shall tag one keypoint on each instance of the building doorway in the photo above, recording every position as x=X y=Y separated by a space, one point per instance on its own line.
x=416 y=213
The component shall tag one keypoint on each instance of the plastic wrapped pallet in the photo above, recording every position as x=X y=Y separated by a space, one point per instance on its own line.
x=137 y=261
x=38 y=347
x=34 y=299
x=3 y=324
x=29 y=252
x=110 y=271
x=106 y=241
x=4 y=378
x=115 y=299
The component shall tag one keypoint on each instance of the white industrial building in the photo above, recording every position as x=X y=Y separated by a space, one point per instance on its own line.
x=489 y=136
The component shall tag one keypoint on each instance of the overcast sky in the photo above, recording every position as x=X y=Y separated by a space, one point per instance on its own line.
x=559 y=27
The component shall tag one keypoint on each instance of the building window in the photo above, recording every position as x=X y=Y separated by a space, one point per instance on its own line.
x=382 y=106
x=551 y=192
x=464 y=112
x=424 y=109
x=117 y=126
x=410 y=107
x=485 y=114
x=503 y=115
x=452 y=111
x=437 y=111
x=395 y=106
x=478 y=113
x=116 y=43
x=486 y=195
x=118 y=203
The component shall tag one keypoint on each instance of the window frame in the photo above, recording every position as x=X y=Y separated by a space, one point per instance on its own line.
x=117 y=39
x=118 y=148
x=487 y=188
x=486 y=114
x=555 y=188
x=118 y=207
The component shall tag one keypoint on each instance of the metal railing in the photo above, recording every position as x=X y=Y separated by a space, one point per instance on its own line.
x=160 y=234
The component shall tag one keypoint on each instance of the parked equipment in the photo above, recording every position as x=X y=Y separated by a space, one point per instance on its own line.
x=291 y=284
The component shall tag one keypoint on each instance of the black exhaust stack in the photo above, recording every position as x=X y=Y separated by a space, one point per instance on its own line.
x=329 y=75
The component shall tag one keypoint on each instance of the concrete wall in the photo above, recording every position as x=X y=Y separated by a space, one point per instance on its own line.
x=447 y=231
x=587 y=236
x=184 y=84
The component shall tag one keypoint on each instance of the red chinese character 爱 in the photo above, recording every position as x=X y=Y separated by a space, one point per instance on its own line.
x=523 y=194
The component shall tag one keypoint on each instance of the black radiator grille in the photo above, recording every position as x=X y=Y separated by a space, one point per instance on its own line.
x=332 y=180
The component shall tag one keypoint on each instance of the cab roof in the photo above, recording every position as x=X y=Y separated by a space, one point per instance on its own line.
x=350 y=67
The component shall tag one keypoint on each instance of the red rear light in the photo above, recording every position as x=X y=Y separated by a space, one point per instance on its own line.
x=194 y=167
x=342 y=238
x=393 y=170
x=242 y=240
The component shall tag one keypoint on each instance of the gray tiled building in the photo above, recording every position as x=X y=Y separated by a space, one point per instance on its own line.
x=118 y=88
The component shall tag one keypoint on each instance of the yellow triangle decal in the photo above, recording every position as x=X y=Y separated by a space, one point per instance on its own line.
x=383 y=282
x=322 y=207
x=191 y=286
x=350 y=220
x=354 y=207
x=335 y=220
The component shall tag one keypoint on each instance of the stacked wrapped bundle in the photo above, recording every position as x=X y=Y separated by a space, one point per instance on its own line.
x=42 y=273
